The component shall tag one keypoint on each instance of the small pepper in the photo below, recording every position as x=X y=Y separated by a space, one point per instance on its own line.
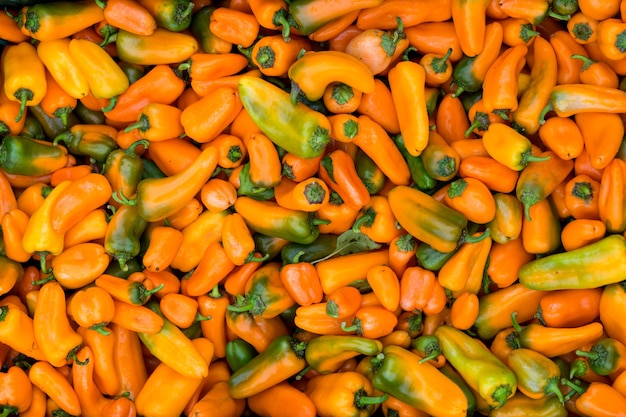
x=325 y=354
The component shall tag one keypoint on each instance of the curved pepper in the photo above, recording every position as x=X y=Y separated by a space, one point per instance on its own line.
x=158 y=198
x=569 y=99
x=283 y=358
x=60 y=19
x=310 y=15
x=427 y=219
x=401 y=374
x=296 y=128
x=162 y=47
x=482 y=370
x=17 y=331
x=592 y=266
x=26 y=156
x=121 y=239
x=326 y=353
x=173 y=348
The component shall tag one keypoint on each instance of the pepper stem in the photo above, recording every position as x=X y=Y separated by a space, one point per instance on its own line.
x=432 y=355
x=552 y=387
x=111 y=105
x=303 y=372
x=546 y=110
x=200 y=317
x=23 y=95
x=514 y=322
x=72 y=356
x=501 y=394
x=355 y=327
x=575 y=388
x=588 y=355
x=100 y=328
x=362 y=400
x=119 y=197
x=476 y=239
x=215 y=292
x=366 y=220
x=145 y=293
x=252 y=258
x=42 y=263
x=578 y=368
x=7 y=410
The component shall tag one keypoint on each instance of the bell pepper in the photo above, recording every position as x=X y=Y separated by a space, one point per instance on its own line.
x=579 y=268
x=482 y=370
x=53 y=332
x=611 y=38
x=172 y=347
x=283 y=358
x=442 y=228
x=292 y=225
x=569 y=99
x=158 y=198
x=310 y=15
x=606 y=357
x=296 y=128
x=428 y=347
x=537 y=375
x=326 y=353
x=60 y=19
x=121 y=240
x=543 y=78
x=26 y=85
x=162 y=47
x=105 y=77
x=400 y=373
x=553 y=341
x=265 y=295
x=343 y=394
x=238 y=353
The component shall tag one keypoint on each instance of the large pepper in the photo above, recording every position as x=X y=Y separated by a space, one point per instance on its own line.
x=172 y=347
x=16 y=393
x=569 y=99
x=591 y=266
x=265 y=295
x=25 y=84
x=121 y=240
x=343 y=394
x=399 y=373
x=163 y=47
x=283 y=358
x=296 y=128
x=158 y=198
x=427 y=219
x=326 y=353
x=25 y=156
x=482 y=370
x=293 y=225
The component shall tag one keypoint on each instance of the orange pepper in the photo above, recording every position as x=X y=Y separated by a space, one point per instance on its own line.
x=51 y=381
x=451 y=119
x=334 y=27
x=386 y=285
x=464 y=310
x=234 y=26
x=213 y=267
x=469 y=22
x=435 y=38
x=91 y=308
x=339 y=272
x=383 y=16
x=164 y=244
x=181 y=310
x=553 y=133
x=379 y=106
x=582 y=232
x=237 y=240
x=230 y=149
x=500 y=87
x=92 y=401
x=136 y=318
x=472 y=198
x=341 y=98
x=273 y=54
x=203 y=66
x=130 y=16
x=337 y=169
x=57 y=102
x=581 y=197
x=197 y=236
x=541 y=229
x=302 y=283
x=213 y=304
x=372 y=322
x=518 y=31
x=611 y=197
x=420 y=290
x=10 y=30
x=603 y=142
x=13 y=226
x=208 y=117
x=158 y=122
x=597 y=72
x=463 y=272
x=343 y=302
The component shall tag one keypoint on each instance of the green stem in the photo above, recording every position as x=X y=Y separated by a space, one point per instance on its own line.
x=100 y=328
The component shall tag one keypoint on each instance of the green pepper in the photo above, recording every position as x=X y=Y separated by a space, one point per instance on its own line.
x=268 y=218
x=536 y=374
x=268 y=245
x=52 y=126
x=26 y=156
x=247 y=188
x=194 y=331
x=131 y=265
x=150 y=169
x=564 y=7
x=399 y=373
x=423 y=181
x=238 y=353
x=200 y=22
x=521 y=405
x=173 y=15
x=427 y=346
x=427 y=219
x=32 y=128
x=296 y=128
x=265 y=294
x=88 y=116
x=282 y=359
x=469 y=99
x=371 y=175
x=122 y=239
x=591 y=266
x=607 y=356
x=326 y=353
x=323 y=246
x=465 y=77
x=83 y=142
x=455 y=377
x=480 y=368
x=124 y=170
x=132 y=71
x=431 y=259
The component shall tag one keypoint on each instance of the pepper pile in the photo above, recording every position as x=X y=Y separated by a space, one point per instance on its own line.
x=313 y=208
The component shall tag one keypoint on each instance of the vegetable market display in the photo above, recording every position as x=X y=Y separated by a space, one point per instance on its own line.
x=313 y=208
